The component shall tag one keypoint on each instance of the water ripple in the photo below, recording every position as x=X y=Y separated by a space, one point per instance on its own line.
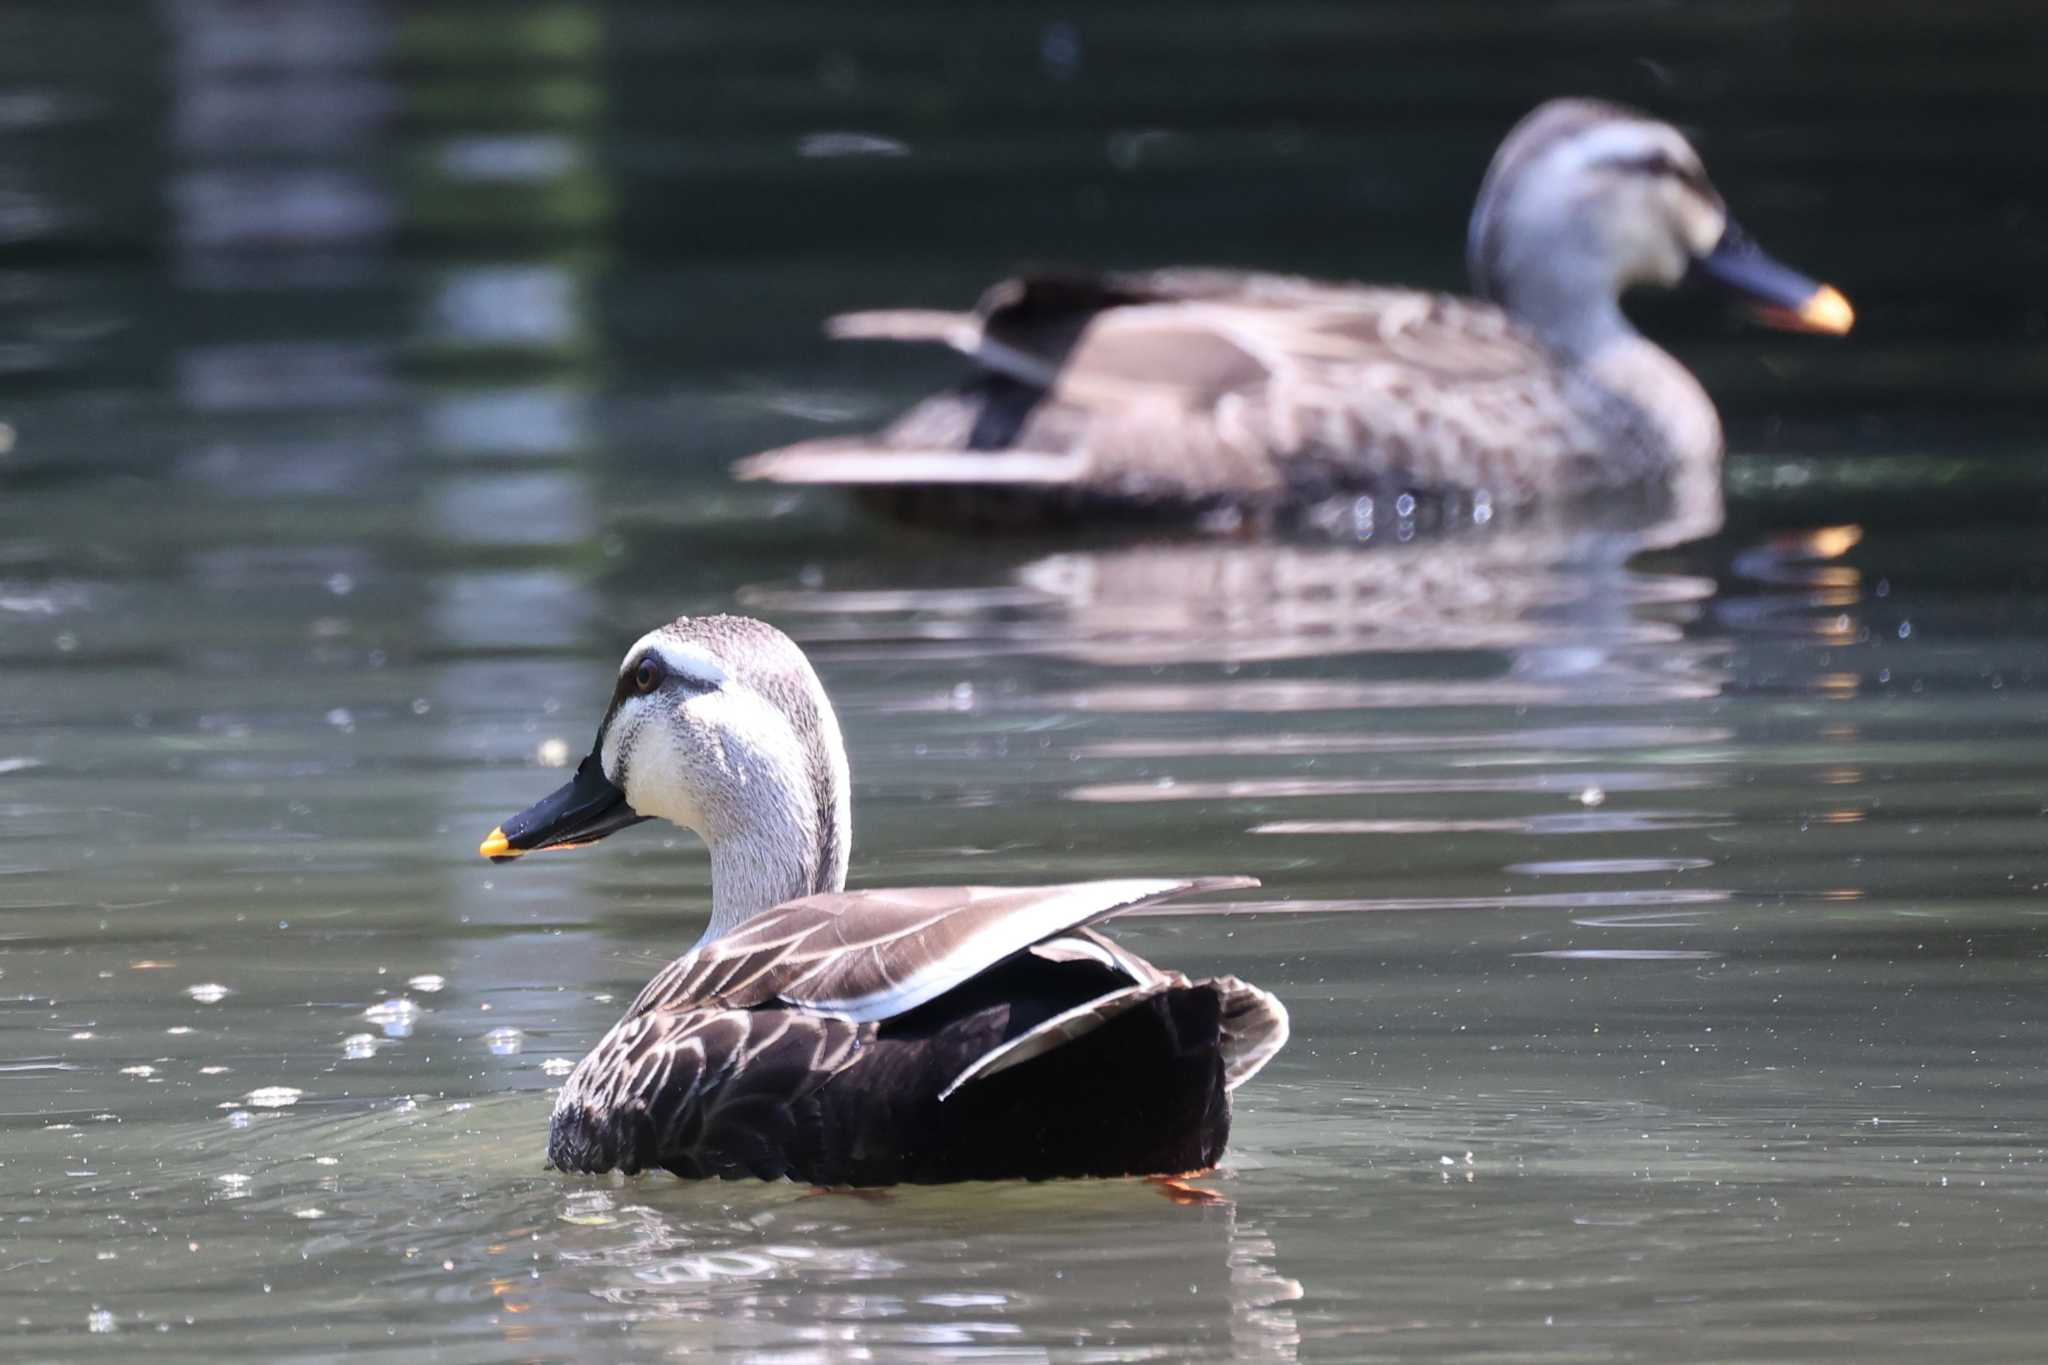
x=1266 y=788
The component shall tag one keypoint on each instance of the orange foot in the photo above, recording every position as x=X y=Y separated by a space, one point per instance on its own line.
x=1179 y=1189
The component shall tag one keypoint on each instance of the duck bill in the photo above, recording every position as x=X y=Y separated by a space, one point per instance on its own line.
x=580 y=812
x=1776 y=295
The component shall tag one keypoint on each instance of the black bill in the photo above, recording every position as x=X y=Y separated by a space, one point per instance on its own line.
x=1777 y=294
x=581 y=812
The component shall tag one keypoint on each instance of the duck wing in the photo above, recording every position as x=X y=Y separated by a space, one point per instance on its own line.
x=1191 y=385
x=872 y=955
x=702 y=1092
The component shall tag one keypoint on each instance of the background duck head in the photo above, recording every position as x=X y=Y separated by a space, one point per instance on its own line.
x=1585 y=200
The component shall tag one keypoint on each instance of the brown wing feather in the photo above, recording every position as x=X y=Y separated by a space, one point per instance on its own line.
x=872 y=954
x=702 y=1093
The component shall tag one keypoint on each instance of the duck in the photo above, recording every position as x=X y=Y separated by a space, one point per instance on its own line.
x=874 y=1037
x=1210 y=394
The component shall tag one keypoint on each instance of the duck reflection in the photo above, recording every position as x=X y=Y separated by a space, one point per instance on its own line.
x=1082 y=1266
x=1561 y=598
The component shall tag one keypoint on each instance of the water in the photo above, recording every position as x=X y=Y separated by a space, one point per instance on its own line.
x=1663 y=934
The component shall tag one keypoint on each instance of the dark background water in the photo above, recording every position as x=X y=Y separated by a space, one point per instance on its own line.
x=1664 y=936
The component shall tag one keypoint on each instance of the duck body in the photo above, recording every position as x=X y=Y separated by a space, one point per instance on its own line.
x=707 y=1078
x=867 y=1037
x=1186 y=391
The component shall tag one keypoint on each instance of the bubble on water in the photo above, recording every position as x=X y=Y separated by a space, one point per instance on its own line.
x=83 y=1035
x=396 y=1017
x=241 y=1118
x=341 y=718
x=553 y=753
x=138 y=1071
x=178 y=1030
x=326 y=1161
x=427 y=983
x=340 y=584
x=208 y=992
x=309 y=1213
x=273 y=1096
x=100 y=1320
x=557 y=1066
x=505 y=1042
x=235 y=1184
x=215 y=1070
x=1592 y=796
x=407 y=1105
x=358 y=1046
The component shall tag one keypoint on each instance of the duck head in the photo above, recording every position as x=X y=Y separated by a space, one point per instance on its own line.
x=720 y=725
x=1585 y=200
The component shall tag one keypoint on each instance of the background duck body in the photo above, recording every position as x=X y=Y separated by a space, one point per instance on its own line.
x=1184 y=391
x=866 y=1038
x=1194 y=389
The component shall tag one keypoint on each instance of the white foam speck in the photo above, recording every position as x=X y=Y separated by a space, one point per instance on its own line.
x=396 y=1017
x=557 y=1066
x=427 y=983
x=505 y=1042
x=208 y=992
x=358 y=1046
x=273 y=1096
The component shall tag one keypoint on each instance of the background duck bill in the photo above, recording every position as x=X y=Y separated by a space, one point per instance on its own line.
x=581 y=811
x=1776 y=294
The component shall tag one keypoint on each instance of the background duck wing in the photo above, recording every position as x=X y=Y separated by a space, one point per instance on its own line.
x=869 y=955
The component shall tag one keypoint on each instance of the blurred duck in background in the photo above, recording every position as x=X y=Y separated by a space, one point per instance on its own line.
x=1185 y=394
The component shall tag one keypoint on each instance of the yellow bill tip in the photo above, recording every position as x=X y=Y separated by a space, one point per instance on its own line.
x=1827 y=311
x=495 y=845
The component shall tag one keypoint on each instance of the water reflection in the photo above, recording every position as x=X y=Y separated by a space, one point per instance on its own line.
x=1109 y=1270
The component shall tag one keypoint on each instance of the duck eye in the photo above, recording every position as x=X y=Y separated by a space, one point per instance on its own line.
x=647 y=676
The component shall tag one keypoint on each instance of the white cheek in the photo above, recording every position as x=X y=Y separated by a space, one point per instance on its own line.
x=643 y=744
x=1703 y=226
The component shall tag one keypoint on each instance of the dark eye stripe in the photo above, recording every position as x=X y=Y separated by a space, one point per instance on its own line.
x=1661 y=163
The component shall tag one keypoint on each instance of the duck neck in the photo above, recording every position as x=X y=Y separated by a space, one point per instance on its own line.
x=786 y=837
x=761 y=868
x=1577 y=312
x=1675 y=419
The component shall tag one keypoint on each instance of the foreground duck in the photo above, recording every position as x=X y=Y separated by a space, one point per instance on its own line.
x=866 y=1037
x=1186 y=391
